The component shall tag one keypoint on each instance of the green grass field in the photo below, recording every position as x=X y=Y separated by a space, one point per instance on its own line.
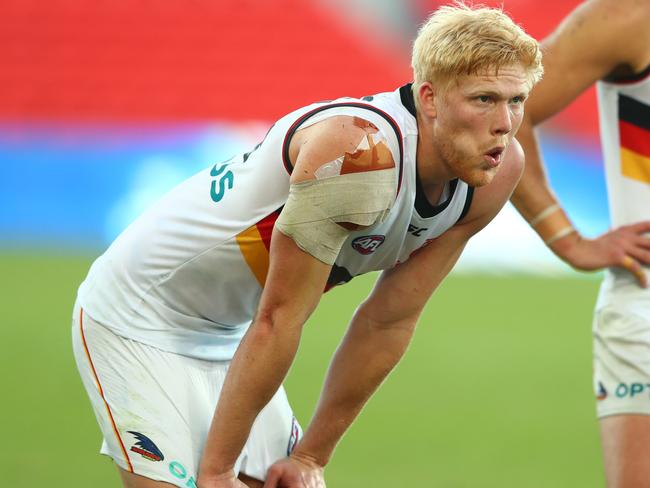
x=495 y=390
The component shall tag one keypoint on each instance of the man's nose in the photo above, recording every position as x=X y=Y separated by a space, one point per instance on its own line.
x=503 y=120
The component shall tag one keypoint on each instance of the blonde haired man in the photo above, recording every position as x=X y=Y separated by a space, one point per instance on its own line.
x=460 y=40
x=608 y=42
x=397 y=181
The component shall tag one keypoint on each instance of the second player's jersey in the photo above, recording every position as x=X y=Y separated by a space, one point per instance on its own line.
x=624 y=110
x=187 y=275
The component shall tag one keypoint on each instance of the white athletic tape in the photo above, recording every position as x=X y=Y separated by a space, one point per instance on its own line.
x=328 y=170
x=559 y=235
x=333 y=168
x=551 y=209
x=314 y=209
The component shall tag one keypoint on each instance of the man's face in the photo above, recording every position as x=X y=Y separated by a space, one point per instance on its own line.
x=476 y=119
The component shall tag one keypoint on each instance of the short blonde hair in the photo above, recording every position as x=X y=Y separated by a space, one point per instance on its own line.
x=461 y=40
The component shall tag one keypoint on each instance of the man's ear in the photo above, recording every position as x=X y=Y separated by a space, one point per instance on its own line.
x=426 y=94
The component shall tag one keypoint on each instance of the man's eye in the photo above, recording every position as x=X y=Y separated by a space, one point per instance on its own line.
x=483 y=98
x=517 y=100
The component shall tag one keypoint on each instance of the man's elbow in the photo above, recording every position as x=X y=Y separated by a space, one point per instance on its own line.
x=273 y=321
x=387 y=320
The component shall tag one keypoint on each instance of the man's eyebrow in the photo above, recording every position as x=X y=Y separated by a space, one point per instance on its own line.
x=497 y=94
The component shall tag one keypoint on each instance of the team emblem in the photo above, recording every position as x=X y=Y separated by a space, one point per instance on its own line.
x=146 y=448
x=367 y=244
x=602 y=392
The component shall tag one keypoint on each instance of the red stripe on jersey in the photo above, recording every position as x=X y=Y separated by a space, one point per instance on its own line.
x=634 y=138
x=265 y=227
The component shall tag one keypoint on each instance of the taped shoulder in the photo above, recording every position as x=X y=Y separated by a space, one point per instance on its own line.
x=338 y=145
x=320 y=213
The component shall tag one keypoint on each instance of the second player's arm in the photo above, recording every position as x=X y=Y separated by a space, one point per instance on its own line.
x=597 y=39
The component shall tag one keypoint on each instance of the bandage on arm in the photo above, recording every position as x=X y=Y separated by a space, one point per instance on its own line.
x=357 y=189
x=315 y=209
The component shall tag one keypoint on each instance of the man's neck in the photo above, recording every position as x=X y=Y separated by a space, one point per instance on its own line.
x=432 y=172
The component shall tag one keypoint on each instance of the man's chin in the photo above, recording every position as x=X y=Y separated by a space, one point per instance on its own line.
x=477 y=179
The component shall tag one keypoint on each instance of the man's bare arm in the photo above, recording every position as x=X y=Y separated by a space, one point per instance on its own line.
x=382 y=327
x=293 y=288
x=600 y=38
x=294 y=285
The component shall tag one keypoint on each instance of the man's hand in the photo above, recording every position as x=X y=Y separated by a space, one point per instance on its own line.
x=295 y=472
x=226 y=480
x=625 y=247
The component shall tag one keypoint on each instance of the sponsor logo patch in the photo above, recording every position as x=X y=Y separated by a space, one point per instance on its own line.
x=416 y=231
x=180 y=472
x=294 y=437
x=367 y=244
x=145 y=447
x=632 y=390
x=602 y=392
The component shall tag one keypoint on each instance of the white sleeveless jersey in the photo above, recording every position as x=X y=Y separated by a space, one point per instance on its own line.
x=624 y=110
x=187 y=275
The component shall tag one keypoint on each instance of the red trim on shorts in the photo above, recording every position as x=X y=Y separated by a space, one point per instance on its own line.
x=101 y=390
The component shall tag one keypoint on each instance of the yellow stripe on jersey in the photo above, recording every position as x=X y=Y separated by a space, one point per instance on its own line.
x=635 y=166
x=255 y=253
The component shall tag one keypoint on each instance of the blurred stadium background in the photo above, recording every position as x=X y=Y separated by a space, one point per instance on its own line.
x=105 y=105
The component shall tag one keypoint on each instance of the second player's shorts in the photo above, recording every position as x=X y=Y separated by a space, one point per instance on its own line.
x=154 y=408
x=622 y=351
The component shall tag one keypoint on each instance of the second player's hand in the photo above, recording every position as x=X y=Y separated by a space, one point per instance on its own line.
x=625 y=247
x=295 y=472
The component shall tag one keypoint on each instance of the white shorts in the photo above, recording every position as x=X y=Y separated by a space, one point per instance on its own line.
x=621 y=331
x=154 y=408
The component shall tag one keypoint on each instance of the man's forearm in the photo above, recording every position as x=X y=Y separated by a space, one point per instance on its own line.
x=293 y=287
x=535 y=200
x=369 y=351
x=257 y=371
x=533 y=193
